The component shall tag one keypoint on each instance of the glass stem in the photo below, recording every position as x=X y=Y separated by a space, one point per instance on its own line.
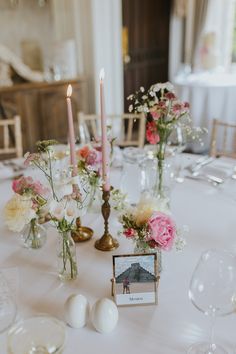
x=212 y=346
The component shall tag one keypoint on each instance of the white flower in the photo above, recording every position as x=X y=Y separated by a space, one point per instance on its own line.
x=18 y=212
x=57 y=209
x=180 y=243
x=142 y=89
x=152 y=94
x=161 y=86
x=131 y=108
x=144 y=97
x=147 y=205
x=140 y=109
x=130 y=97
x=71 y=210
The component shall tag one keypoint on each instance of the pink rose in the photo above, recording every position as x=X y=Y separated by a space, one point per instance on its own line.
x=151 y=133
x=162 y=230
x=129 y=233
x=94 y=157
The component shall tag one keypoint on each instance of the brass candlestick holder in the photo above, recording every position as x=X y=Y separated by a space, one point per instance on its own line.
x=106 y=242
x=81 y=233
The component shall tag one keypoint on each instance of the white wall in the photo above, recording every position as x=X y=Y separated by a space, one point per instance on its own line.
x=175 y=45
x=96 y=27
x=27 y=21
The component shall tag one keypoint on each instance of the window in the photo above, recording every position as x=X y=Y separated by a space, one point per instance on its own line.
x=234 y=37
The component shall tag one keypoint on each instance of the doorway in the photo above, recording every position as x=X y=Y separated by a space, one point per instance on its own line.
x=145 y=42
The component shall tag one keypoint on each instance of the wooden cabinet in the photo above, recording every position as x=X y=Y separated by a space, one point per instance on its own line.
x=43 y=110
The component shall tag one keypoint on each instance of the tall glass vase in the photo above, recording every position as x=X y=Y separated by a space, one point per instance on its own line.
x=161 y=189
x=66 y=253
x=34 y=235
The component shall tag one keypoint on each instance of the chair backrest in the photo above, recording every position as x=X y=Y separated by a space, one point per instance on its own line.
x=128 y=129
x=223 y=139
x=14 y=145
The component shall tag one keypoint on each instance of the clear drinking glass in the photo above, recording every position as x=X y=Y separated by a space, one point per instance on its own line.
x=177 y=144
x=132 y=176
x=8 y=307
x=213 y=291
x=37 y=335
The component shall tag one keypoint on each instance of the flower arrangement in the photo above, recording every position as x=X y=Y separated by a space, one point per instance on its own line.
x=164 y=112
x=26 y=204
x=151 y=226
x=24 y=210
x=63 y=204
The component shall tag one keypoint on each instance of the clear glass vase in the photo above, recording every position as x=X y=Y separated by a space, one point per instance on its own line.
x=66 y=253
x=34 y=235
x=143 y=247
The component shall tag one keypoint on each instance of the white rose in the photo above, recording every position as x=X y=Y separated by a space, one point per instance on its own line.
x=18 y=212
x=57 y=209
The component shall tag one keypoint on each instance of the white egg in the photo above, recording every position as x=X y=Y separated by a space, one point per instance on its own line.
x=76 y=310
x=104 y=315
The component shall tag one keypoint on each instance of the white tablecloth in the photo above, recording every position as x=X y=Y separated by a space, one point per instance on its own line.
x=210 y=96
x=168 y=328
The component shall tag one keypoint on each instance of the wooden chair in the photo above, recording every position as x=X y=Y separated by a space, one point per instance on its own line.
x=128 y=129
x=11 y=147
x=223 y=139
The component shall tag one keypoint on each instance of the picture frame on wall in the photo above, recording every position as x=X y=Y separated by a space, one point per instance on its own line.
x=135 y=279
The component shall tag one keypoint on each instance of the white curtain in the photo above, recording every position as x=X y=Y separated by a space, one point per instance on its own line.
x=214 y=45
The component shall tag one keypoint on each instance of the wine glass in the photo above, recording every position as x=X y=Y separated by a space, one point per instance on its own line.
x=8 y=307
x=177 y=144
x=39 y=334
x=213 y=291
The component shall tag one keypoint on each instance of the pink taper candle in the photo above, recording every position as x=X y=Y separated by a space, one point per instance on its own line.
x=105 y=153
x=71 y=131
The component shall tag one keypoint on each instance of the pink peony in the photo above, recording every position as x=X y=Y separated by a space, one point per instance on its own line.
x=151 y=133
x=162 y=230
x=129 y=233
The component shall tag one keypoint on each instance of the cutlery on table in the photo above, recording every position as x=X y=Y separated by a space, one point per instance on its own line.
x=199 y=164
x=207 y=178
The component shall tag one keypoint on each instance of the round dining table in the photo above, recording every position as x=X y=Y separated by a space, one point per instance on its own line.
x=169 y=327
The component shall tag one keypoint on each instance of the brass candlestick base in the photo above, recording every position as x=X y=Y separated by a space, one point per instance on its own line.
x=106 y=242
x=82 y=233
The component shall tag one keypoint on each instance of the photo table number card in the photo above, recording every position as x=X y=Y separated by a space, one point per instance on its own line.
x=135 y=279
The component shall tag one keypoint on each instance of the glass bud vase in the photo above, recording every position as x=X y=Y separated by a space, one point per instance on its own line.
x=143 y=247
x=34 y=235
x=66 y=253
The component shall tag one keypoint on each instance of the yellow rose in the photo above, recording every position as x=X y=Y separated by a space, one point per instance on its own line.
x=18 y=212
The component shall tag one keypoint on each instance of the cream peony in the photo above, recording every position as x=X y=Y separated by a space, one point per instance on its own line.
x=18 y=212
x=147 y=205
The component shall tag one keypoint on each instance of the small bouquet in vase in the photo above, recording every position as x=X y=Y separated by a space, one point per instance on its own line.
x=151 y=227
x=24 y=211
x=64 y=205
